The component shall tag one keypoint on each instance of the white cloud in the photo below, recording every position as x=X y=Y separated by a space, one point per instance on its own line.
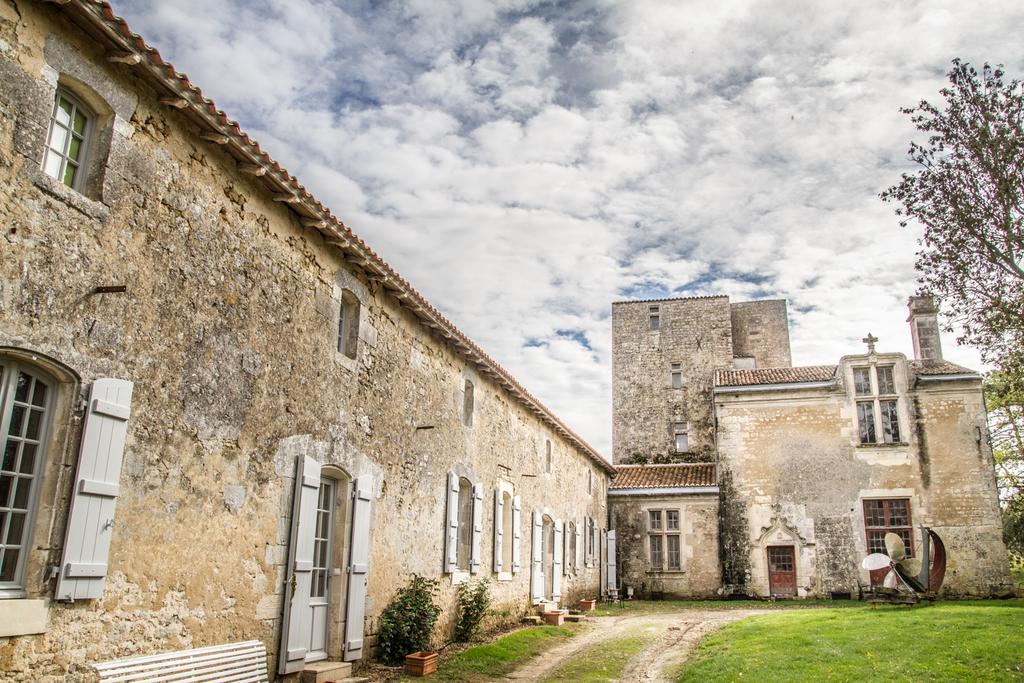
x=564 y=154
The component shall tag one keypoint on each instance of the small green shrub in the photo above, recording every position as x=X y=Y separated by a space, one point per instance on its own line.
x=473 y=600
x=407 y=623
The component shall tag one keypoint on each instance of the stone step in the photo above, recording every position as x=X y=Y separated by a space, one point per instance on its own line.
x=533 y=620
x=326 y=672
x=575 y=617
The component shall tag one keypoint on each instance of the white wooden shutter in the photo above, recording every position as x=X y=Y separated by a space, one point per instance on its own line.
x=451 y=536
x=297 y=619
x=83 y=563
x=610 y=571
x=537 y=559
x=517 y=534
x=499 y=531
x=478 y=527
x=358 y=568
x=579 y=550
x=556 y=563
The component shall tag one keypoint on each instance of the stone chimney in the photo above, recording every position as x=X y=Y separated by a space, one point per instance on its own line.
x=924 y=327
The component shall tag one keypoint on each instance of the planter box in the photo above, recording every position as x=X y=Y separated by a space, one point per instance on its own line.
x=421 y=663
x=556 y=618
x=588 y=605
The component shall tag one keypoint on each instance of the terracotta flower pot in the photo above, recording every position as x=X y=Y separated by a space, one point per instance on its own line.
x=421 y=663
x=588 y=605
x=556 y=618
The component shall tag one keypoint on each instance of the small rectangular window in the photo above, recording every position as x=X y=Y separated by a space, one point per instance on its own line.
x=886 y=385
x=862 y=381
x=677 y=376
x=680 y=436
x=655 y=517
x=866 y=421
x=655 y=552
x=654 y=318
x=890 y=422
x=547 y=457
x=673 y=552
x=467 y=404
x=66 y=142
x=672 y=520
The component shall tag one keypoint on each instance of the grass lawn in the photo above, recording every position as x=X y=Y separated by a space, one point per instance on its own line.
x=494 y=660
x=981 y=640
x=604 y=661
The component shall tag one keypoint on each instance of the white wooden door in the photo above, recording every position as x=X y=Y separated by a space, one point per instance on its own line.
x=320 y=581
x=297 y=618
x=611 y=571
x=537 y=559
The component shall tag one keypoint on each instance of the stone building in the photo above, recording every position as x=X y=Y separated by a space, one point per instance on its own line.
x=225 y=417
x=812 y=466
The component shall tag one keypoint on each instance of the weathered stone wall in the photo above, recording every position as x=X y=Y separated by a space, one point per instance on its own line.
x=760 y=330
x=697 y=334
x=700 y=570
x=798 y=476
x=228 y=329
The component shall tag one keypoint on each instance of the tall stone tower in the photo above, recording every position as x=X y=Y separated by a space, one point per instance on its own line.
x=664 y=355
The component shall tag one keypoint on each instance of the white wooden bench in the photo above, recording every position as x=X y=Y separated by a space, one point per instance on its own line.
x=244 y=662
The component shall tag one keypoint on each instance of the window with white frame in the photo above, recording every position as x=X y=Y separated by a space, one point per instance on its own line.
x=25 y=400
x=465 y=533
x=874 y=389
x=507 y=531
x=663 y=539
x=680 y=437
x=677 y=375
x=570 y=559
x=348 y=324
x=67 y=140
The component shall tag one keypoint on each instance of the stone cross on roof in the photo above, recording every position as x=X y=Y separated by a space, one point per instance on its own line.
x=870 y=341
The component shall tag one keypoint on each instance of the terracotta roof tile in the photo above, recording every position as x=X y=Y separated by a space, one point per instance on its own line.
x=939 y=367
x=664 y=476
x=98 y=19
x=742 y=378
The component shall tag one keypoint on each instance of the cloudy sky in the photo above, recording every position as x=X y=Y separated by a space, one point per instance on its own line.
x=524 y=164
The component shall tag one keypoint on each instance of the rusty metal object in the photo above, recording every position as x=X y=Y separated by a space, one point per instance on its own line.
x=937 y=571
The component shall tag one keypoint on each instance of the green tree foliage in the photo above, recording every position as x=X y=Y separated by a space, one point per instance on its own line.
x=473 y=601
x=407 y=623
x=968 y=194
x=1005 y=403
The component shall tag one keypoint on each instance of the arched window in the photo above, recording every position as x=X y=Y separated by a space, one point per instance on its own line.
x=67 y=141
x=465 y=543
x=467 y=404
x=348 y=324
x=25 y=403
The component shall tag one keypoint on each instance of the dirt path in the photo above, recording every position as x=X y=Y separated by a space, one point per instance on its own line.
x=678 y=633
